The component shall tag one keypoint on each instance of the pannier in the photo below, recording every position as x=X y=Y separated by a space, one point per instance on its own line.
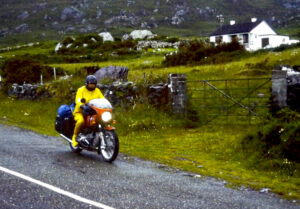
x=64 y=122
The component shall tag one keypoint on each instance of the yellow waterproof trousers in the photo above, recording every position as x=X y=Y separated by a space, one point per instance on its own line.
x=79 y=119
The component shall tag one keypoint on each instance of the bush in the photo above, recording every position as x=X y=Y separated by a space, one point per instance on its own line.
x=61 y=89
x=198 y=52
x=278 y=139
x=23 y=69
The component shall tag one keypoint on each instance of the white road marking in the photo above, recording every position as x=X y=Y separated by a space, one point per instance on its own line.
x=55 y=189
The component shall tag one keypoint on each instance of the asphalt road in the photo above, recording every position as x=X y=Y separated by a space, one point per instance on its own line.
x=126 y=183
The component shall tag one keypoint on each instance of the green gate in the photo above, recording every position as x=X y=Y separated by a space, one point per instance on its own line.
x=230 y=101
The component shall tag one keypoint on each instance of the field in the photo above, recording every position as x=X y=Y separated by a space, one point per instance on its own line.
x=151 y=134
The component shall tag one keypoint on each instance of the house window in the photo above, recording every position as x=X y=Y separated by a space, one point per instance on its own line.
x=219 y=39
x=234 y=38
x=265 y=42
x=245 y=38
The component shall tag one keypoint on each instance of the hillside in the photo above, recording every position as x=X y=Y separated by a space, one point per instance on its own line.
x=30 y=20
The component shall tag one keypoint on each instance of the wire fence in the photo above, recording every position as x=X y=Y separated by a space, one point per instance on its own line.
x=230 y=101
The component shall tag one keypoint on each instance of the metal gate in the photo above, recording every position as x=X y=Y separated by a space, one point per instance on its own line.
x=230 y=101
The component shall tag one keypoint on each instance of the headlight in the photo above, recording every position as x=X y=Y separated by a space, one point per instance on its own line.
x=106 y=116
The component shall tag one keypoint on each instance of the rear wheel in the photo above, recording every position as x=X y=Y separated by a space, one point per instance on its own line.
x=75 y=149
x=109 y=146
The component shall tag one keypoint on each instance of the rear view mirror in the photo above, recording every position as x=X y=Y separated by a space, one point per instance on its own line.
x=83 y=100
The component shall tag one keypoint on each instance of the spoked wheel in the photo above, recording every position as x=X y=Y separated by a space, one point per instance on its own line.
x=75 y=149
x=109 y=146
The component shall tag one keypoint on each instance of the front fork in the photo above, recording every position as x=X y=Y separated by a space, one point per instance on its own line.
x=100 y=133
x=100 y=136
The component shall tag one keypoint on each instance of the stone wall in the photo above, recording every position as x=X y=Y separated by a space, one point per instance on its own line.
x=171 y=95
x=178 y=93
x=286 y=87
x=25 y=91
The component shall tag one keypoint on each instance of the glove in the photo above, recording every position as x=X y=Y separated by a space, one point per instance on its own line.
x=86 y=109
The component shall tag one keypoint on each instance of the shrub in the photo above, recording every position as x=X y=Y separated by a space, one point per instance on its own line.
x=278 y=139
x=23 y=69
x=61 y=89
x=172 y=39
x=196 y=52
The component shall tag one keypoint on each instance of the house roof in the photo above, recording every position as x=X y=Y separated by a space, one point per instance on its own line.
x=236 y=28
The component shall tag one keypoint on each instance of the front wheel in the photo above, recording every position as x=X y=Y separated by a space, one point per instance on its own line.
x=109 y=146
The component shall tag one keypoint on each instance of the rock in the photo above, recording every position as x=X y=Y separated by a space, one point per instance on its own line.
x=70 y=29
x=144 y=25
x=178 y=17
x=150 y=24
x=57 y=47
x=23 y=15
x=82 y=30
x=25 y=91
x=156 y=44
x=158 y=94
x=55 y=25
x=113 y=73
x=90 y=27
x=176 y=20
x=71 y=13
x=141 y=34
x=124 y=37
x=22 y=28
x=99 y=14
x=41 y=6
x=124 y=18
x=130 y=2
x=264 y=190
x=4 y=32
x=106 y=36
x=69 y=45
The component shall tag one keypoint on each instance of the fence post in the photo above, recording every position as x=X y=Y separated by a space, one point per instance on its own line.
x=279 y=88
x=54 y=73
x=178 y=93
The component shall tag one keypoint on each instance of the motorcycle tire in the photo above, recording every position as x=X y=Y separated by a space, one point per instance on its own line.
x=110 y=150
x=75 y=149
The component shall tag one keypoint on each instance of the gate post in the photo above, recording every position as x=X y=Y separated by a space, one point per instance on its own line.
x=279 y=87
x=177 y=93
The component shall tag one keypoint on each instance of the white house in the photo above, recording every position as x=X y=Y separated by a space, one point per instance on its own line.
x=253 y=35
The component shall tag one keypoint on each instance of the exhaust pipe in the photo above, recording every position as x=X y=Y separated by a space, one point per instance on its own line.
x=66 y=138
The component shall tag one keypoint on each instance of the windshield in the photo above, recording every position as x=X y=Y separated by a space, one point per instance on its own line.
x=100 y=103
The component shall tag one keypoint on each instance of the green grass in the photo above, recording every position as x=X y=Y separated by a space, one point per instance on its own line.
x=150 y=63
x=37 y=116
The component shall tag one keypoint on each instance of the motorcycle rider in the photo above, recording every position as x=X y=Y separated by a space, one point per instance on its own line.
x=88 y=92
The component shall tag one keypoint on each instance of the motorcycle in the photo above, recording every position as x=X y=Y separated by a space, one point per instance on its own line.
x=97 y=135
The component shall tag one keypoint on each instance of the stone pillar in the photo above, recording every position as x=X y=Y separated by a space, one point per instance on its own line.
x=178 y=93
x=279 y=88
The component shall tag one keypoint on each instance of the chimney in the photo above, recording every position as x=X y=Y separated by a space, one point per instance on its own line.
x=253 y=19
x=232 y=22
